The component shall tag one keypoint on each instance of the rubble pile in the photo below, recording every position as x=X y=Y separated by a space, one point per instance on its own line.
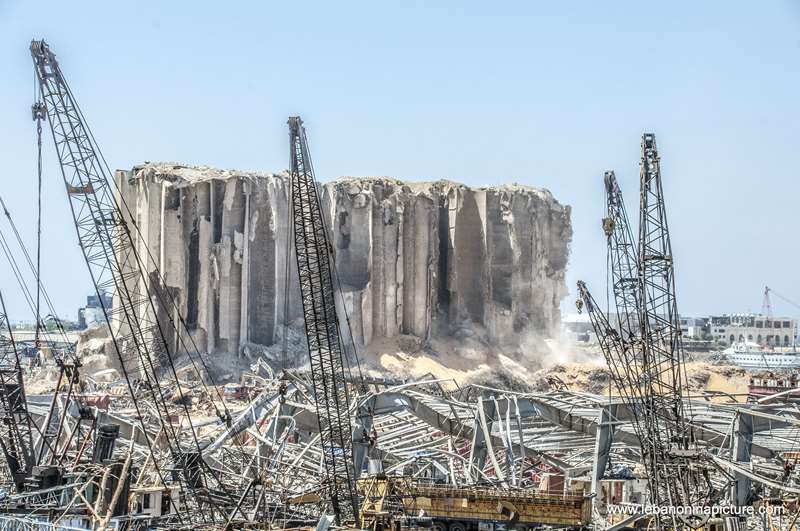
x=594 y=377
x=415 y=429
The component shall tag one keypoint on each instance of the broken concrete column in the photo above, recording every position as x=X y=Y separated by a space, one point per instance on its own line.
x=493 y=257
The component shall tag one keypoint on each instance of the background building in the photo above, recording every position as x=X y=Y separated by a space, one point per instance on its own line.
x=766 y=331
x=702 y=333
x=695 y=327
x=576 y=327
x=92 y=313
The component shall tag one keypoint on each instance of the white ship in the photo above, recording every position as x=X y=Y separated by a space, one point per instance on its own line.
x=752 y=356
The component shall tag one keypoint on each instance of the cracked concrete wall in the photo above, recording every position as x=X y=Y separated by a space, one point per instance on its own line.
x=418 y=258
x=412 y=258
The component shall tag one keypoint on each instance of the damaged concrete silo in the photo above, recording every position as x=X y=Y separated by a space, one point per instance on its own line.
x=412 y=258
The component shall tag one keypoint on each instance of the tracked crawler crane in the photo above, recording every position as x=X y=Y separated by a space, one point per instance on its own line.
x=143 y=334
x=644 y=352
x=325 y=348
x=671 y=441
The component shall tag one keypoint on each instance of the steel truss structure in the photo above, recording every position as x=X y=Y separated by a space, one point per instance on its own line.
x=325 y=349
x=143 y=332
x=644 y=352
x=669 y=434
x=16 y=438
x=624 y=261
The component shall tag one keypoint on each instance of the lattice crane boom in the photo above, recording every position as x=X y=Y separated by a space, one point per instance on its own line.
x=647 y=364
x=624 y=260
x=672 y=439
x=107 y=235
x=326 y=352
x=619 y=357
x=16 y=438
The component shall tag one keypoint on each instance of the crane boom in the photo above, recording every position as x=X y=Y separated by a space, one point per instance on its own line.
x=623 y=259
x=767 y=291
x=107 y=236
x=16 y=438
x=647 y=363
x=619 y=357
x=325 y=349
x=662 y=351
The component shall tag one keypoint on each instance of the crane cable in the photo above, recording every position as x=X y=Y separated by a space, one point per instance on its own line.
x=783 y=298
x=286 y=277
x=338 y=288
x=133 y=397
x=26 y=290
x=38 y=111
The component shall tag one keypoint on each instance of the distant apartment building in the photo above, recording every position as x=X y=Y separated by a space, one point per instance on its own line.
x=755 y=328
x=694 y=327
x=723 y=329
x=576 y=327
x=92 y=313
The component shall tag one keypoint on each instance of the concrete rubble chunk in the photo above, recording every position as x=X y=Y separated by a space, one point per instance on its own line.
x=414 y=259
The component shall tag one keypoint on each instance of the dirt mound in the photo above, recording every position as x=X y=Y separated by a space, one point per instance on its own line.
x=591 y=378
x=467 y=357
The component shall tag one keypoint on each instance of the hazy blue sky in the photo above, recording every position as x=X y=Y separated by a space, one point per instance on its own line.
x=542 y=93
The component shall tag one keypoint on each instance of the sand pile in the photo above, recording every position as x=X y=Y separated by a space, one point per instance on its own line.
x=594 y=378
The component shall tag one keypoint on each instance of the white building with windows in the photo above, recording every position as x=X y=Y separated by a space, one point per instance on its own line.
x=694 y=327
x=766 y=331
